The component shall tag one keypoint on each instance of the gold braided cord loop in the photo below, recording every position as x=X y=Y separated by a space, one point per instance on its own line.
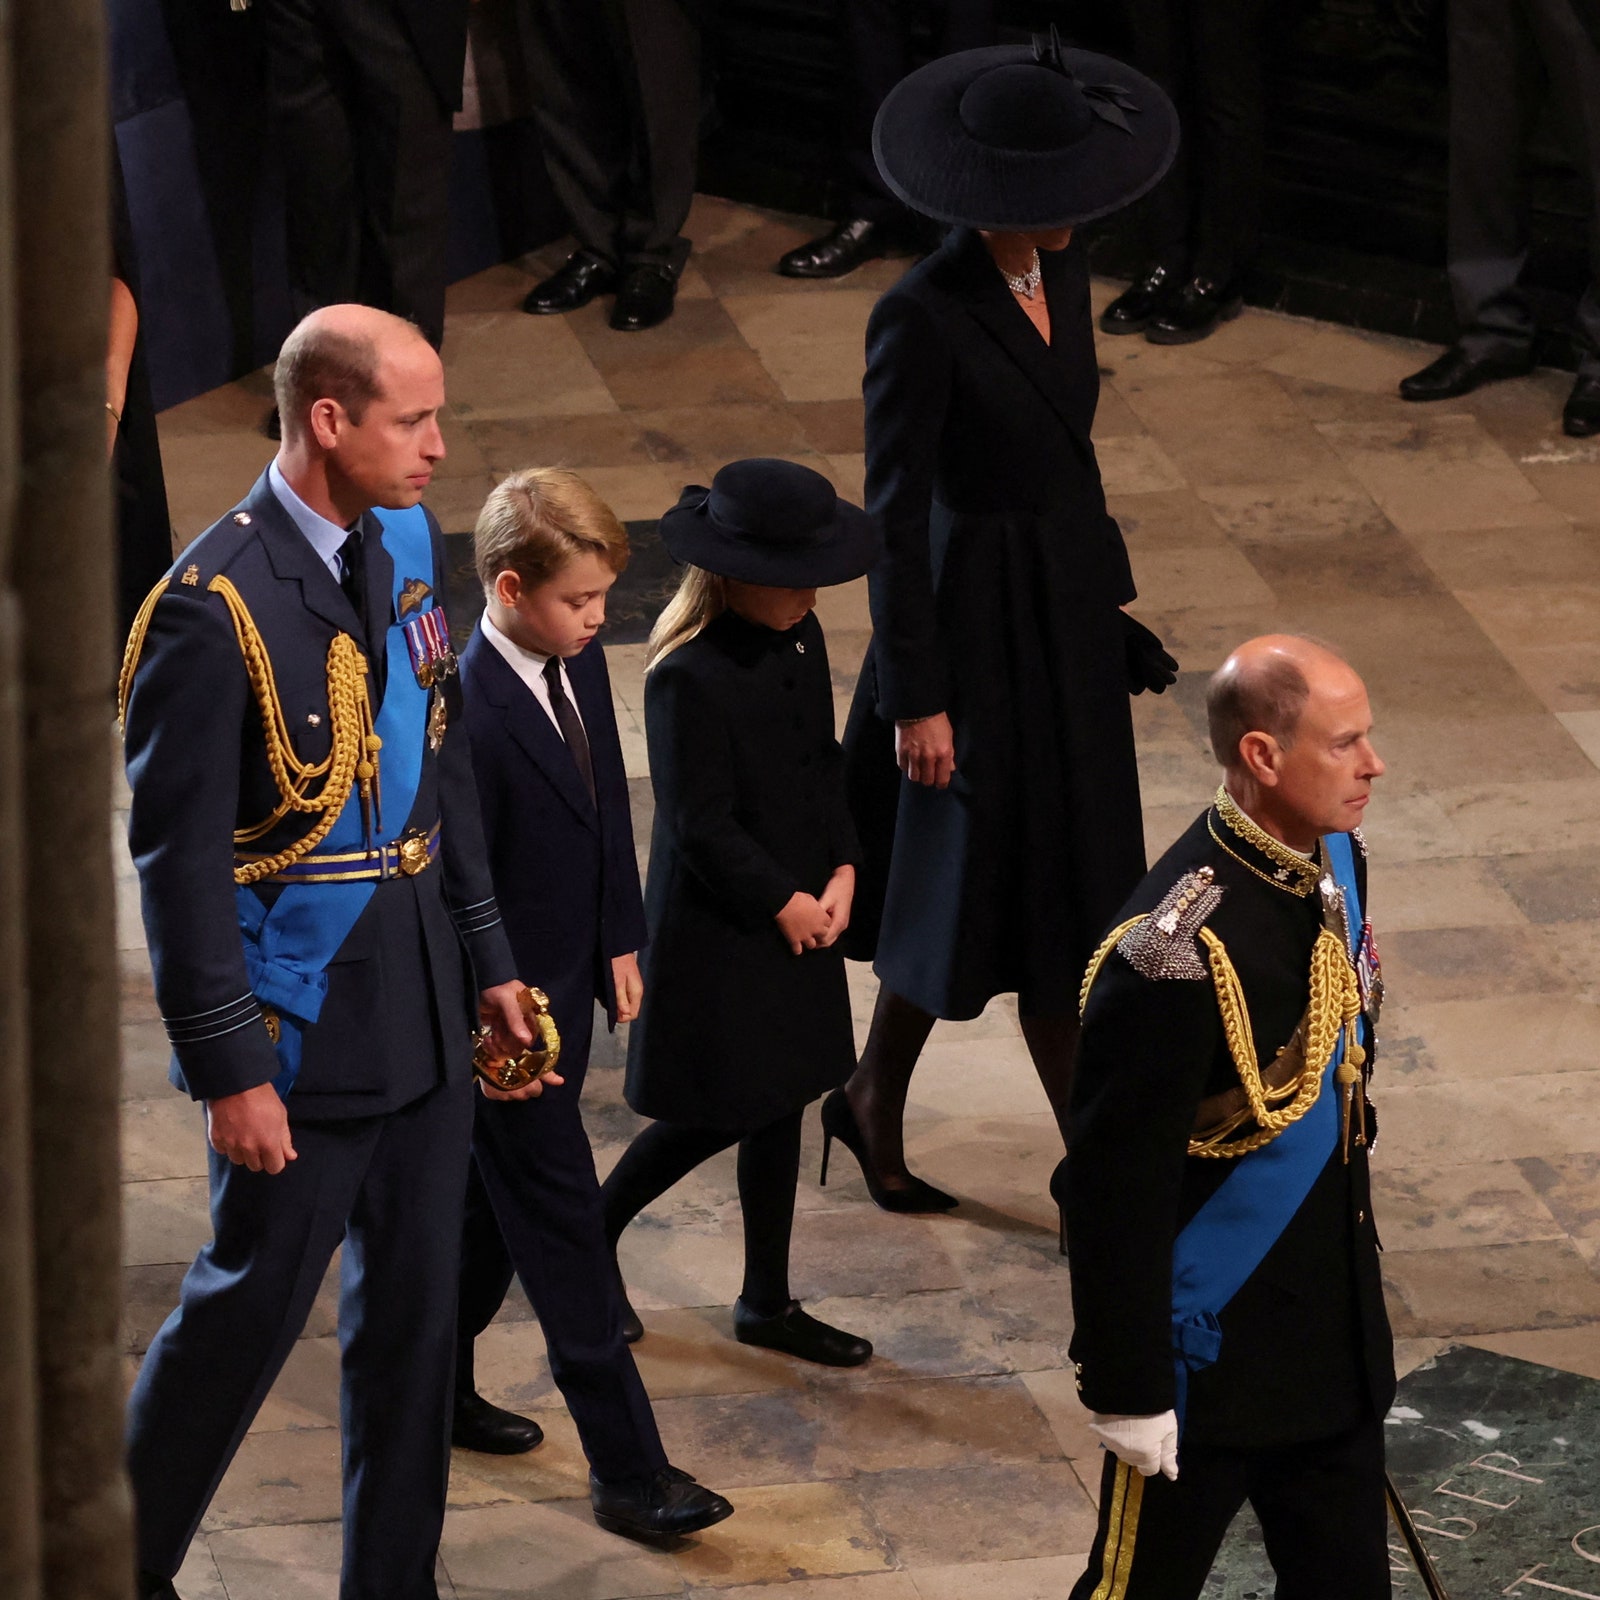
x=135 y=645
x=1098 y=959
x=353 y=757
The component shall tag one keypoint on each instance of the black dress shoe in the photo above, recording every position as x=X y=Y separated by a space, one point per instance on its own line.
x=1141 y=302
x=850 y=245
x=1580 y=417
x=1196 y=311
x=480 y=1426
x=574 y=283
x=150 y=1587
x=644 y=299
x=796 y=1333
x=1456 y=373
x=666 y=1506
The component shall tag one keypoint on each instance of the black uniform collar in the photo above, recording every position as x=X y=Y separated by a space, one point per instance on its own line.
x=1257 y=851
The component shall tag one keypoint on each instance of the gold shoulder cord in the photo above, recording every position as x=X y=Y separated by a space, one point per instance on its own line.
x=352 y=760
x=1334 y=1007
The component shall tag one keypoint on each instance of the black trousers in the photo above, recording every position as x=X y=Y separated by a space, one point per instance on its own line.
x=366 y=146
x=617 y=86
x=1320 y=1505
x=769 y=1168
x=1204 y=218
x=533 y=1206
x=1505 y=56
x=877 y=39
x=389 y=1189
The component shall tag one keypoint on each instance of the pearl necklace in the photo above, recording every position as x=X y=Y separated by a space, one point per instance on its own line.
x=1028 y=282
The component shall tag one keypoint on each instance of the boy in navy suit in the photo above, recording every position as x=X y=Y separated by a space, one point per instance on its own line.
x=554 y=797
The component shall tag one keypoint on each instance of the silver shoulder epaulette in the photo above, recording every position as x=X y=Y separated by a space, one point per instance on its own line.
x=1163 y=944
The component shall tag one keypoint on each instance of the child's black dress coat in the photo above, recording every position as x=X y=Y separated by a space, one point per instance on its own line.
x=736 y=1030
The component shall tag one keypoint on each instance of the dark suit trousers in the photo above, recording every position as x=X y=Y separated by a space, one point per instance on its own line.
x=533 y=1206
x=1320 y=1506
x=366 y=147
x=617 y=85
x=876 y=35
x=1204 y=217
x=1505 y=55
x=390 y=1189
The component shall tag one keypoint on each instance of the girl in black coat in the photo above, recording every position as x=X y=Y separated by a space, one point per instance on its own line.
x=746 y=1016
x=991 y=746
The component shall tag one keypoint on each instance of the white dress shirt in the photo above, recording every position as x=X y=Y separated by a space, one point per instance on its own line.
x=326 y=537
x=529 y=666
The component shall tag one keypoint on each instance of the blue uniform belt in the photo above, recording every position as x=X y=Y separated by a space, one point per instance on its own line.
x=403 y=858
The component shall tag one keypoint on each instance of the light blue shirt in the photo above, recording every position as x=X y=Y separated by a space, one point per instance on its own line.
x=326 y=537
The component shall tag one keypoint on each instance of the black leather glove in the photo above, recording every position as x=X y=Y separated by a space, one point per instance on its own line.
x=1149 y=665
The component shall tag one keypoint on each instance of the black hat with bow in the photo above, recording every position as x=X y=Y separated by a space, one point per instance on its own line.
x=771 y=522
x=1015 y=138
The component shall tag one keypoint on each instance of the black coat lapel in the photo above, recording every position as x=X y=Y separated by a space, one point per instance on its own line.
x=293 y=557
x=527 y=724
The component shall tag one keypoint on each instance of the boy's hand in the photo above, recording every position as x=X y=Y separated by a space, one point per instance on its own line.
x=835 y=902
x=630 y=986
x=803 y=923
x=251 y=1129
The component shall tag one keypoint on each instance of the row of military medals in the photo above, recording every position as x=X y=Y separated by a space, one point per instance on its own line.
x=433 y=659
x=1354 y=1068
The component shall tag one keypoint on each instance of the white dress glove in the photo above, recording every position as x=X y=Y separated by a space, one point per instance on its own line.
x=1148 y=1444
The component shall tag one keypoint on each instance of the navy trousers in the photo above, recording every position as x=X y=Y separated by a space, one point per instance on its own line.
x=389 y=1188
x=533 y=1208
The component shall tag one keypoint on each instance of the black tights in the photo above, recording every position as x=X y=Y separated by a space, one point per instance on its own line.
x=769 y=1169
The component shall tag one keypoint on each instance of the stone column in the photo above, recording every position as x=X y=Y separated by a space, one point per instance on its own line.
x=63 y=565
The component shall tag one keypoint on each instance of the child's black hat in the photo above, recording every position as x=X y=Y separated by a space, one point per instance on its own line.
x=774 y=523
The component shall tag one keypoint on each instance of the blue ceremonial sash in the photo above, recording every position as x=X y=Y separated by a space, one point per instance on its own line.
x=288 y=945
x=1229 y=1236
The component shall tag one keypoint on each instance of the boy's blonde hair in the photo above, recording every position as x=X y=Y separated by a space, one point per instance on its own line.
x=537 y=520
x=701 y=598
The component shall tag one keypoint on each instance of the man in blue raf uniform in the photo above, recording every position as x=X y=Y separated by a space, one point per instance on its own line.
x=319 y=915
x=1230 y=1330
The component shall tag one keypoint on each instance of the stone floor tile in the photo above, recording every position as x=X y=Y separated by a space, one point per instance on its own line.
x=1450 y=1207
x=940 y=1334
x=1135 y=464
x=164 y=1220
x=945 y=1071
x=163 y=1136
x=698 y=323
x=1525 y=414
x=694 y=1352
x=1548 y=555
x=1038 y=1578
x=198 y=1575
x=1130 y=365
x=787 y=1531
x=1440 y=893
x=1409 y=1354
x=812 y=345
x=1567 y=1349
x=939 y=1422
x=1535 y=614
x=1202 y=638
x=1432 y=474
x=862 y=1250
x=1427 y=964
x=503 y=288
x=937 y=1517
x=1165 y=519
x=1113 y=418
x=555 y=1551
x=1259 y=341
x=854 y=1586
x=1519 y=818
x=1552 y=886
x=599 y=439
x=1492 y=1120
x=1489 y=1289
x=847 y=621
x=1495 y=1036
x=679 y=436
x=237 y=407
x=1379 y=565
x=1056 y=1395
x=1584 y=726
x=727 y=376
x=1570 y=1186
x=833 y=427
x=207 y=474
x=456 y=502
x=287 y=1475
x=299 y=1561
x=555 y=1470
x=1348 y=358
x=1426 y=752
x=1565 y=677
x=640 y=493
x=511 y=1367
x=848 y=474
x=734 y=1441
x=306 y=1392
x=1568 y=479
x=1176 y=580
x=1314 y=507
x=516 y=366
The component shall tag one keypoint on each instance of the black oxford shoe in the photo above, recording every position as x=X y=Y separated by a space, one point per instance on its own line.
x=574 y=283
x=1455 y=373
x=150 y=1587
x=796 y=1333
x=1196 y=311
x=1141 y=302
x=662 y=1507
x=850 y=245
x=1580 y=418
x=645 y=299
x=477 y=1425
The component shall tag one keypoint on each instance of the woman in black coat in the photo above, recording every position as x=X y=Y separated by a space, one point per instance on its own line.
x=746 y=1014
x=991 y=744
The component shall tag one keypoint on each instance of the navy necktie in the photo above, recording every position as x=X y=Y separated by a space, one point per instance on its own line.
x=571 y=726
x=352 y=574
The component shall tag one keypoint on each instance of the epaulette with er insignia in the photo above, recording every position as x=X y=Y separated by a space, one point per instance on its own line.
x=1162 y=945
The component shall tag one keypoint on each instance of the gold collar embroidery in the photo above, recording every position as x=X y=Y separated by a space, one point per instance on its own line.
x=1292 y=872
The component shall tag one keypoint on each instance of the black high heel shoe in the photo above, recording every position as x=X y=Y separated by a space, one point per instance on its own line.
x=1058 y=1193
x=839 y=1122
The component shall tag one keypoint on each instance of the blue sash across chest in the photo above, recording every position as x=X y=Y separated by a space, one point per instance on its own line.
x=1229 y=1237
x=289 y=944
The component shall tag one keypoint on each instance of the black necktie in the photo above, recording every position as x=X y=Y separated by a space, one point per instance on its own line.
x=351 y=573
x=571 y=726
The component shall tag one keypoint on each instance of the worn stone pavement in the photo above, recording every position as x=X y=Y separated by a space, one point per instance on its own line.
x=1267 y=478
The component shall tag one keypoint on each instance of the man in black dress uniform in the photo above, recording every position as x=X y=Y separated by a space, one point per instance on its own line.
x=1230 y=1332
x=322 y=929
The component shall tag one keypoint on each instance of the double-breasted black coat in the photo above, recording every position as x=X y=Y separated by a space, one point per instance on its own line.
x=736 y=1030
x=996 y=601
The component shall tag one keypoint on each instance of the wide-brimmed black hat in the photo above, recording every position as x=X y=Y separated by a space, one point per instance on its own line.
x=771 y=522
x=1013 y=138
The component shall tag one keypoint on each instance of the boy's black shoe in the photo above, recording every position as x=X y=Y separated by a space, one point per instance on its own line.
x=1141 y=302
x=796 y=1333
x=1198 y=309
x=477 y=1425
x=665 y=1506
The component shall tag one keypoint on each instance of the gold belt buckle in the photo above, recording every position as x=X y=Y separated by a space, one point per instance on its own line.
x=413 y=852
x=537 y=1061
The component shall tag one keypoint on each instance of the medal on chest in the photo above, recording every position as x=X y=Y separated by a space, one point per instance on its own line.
x=428 y=644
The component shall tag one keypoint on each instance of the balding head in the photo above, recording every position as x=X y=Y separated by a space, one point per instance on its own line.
x=1263 y=687
x=337 y=353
